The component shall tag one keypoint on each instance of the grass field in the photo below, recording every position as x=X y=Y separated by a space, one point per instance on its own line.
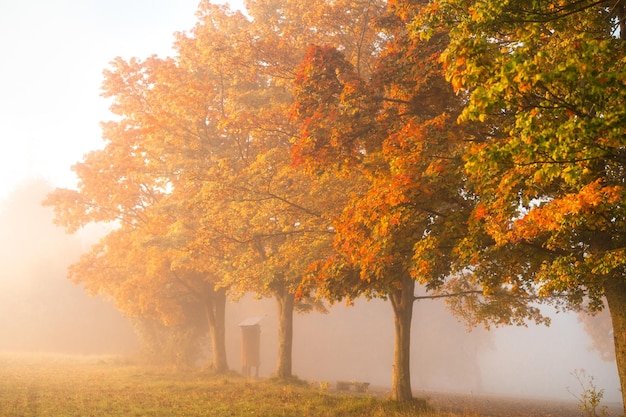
x=56 y=386
x=71 y=386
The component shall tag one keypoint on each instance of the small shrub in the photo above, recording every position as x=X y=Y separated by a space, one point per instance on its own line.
x=161 y=345
x=591 y=397
x=324 y=386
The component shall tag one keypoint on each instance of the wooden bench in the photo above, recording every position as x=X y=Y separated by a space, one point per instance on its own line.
x=358 y=386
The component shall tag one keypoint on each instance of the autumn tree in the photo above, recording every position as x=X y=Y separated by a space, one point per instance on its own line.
x=166 y=151
x=546 y=79
x=398 y=129
x=166 y=305
x=197 y=168
x=303 y=204
x=280 y=217
x=369 y=240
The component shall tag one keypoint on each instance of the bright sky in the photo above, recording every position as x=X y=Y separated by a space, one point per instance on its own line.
x=52 y=53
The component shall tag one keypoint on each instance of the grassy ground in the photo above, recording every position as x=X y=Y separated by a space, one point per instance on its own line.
x=57 y=386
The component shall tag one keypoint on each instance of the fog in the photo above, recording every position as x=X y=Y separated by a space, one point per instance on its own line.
x=42 y=311
x=356 y=343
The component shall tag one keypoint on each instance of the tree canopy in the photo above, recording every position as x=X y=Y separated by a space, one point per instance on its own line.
x=547 y=81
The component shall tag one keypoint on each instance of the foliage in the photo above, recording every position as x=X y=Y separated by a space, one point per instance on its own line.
x=166 y=151
x=396 y=132
x=545 y=81
x=284 y=216
x=378 y=129
x=195 y=175
x=548 y=80
x=599 y=328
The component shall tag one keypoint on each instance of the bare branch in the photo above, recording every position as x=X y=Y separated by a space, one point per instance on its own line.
x=447 y=295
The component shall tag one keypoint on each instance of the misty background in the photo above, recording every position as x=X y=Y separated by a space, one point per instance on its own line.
x=42 y=311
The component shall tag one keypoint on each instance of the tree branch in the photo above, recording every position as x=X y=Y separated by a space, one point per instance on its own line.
x=447 y=295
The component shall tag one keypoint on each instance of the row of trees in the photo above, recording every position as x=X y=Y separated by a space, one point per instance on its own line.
x=363 y=148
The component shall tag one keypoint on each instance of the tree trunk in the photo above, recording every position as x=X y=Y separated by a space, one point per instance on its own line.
x=215 y=307
x=615 y=293
x=285 y=302
x=402 y=302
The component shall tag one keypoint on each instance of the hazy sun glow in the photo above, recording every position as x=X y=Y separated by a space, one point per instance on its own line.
x=53 y=54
